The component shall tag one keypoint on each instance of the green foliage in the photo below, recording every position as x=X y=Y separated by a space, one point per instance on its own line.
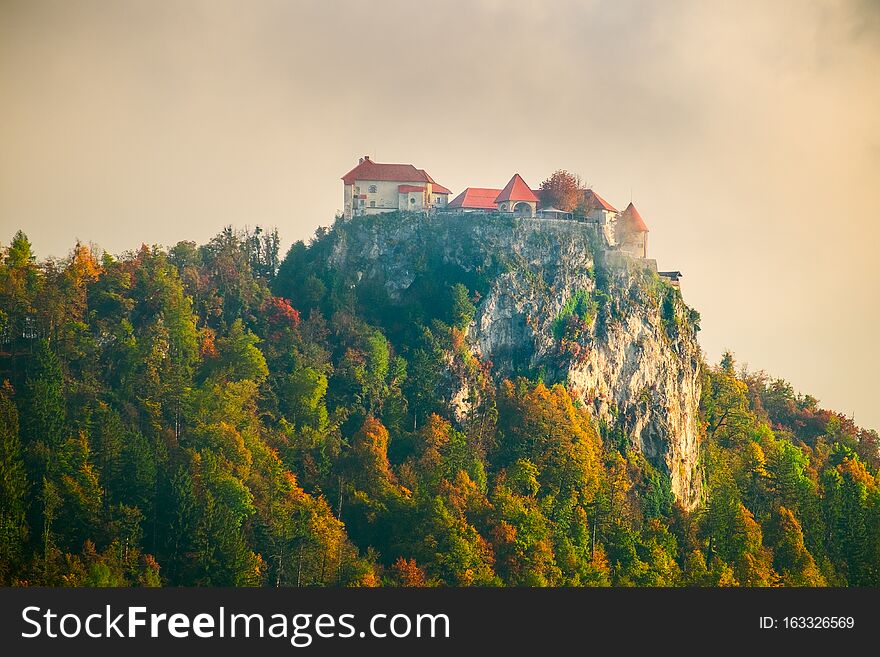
x=785 y=506
x=239 y=357
x=657 y=495
x=19 y=254
x=13 y=489
x=581 y=305
x=462 y=310
x=667 y=312
x=42 y=402
x=210 y=416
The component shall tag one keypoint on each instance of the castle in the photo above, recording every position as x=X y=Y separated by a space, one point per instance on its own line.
x=373 y=187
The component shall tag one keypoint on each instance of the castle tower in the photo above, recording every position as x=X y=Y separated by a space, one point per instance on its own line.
x=631 y=232
x=517 y=198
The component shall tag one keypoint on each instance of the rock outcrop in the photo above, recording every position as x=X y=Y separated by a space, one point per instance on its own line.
x=555 y=304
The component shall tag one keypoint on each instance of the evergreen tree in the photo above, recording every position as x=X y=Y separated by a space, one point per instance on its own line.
x=13 y=491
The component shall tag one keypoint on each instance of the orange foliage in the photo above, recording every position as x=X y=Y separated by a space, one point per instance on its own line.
x=408 y=573
x=857 y=471
x=207 y=344
x=83 y=265
x=503 y=533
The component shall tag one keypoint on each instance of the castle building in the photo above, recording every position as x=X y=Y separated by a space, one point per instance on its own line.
x=516 y=198
x=374 y=187
x=597 y=208
x=475 y=199
x=631 y=232
x=600 y=212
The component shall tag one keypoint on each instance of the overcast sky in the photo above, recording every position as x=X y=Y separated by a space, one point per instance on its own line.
x=747 y=133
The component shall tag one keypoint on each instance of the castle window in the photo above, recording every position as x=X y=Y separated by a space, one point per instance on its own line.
x=412 y=200
x=372 y=204
x=372 y=189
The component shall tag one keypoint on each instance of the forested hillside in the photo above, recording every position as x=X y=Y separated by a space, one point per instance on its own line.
x=212 y=415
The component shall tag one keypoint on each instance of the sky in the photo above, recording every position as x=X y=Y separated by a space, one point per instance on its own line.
x=747 y=134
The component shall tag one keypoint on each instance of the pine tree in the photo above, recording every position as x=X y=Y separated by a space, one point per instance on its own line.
x=13 y=490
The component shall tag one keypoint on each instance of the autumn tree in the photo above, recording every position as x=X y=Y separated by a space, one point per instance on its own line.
x=189 y=417
x=561 y=190
x=725 y=405
x=406 y=572
x=791 y=559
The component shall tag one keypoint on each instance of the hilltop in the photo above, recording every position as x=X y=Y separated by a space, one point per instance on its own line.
x=551 y=302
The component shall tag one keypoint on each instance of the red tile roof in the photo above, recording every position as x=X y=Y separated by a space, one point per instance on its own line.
x=633 y=220
x=516 y=190
x=369 y=170
x=595 y=202
x=475 y=198
x=406 y=189
x=437 y=188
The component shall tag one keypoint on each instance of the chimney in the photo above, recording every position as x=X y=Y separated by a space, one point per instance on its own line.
x=366 y=158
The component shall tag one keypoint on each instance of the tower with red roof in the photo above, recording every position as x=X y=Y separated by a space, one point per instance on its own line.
x=631 y=232
x=517 y=198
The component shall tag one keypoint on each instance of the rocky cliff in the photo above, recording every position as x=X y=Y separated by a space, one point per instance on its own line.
x=551 y=302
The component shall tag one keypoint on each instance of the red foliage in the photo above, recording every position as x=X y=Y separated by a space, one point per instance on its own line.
x=280 y=313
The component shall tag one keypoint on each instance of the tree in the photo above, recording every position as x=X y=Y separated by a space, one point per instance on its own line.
x=790 y=556
x=239 y=356
x=43 y=410
x=462 y=309
x=73 y=473
x=406 y=572
x=725 y=406
x=232 y=289
x=561 y=190
x=20 y=283
x=262 y=247
x=426 y=370
x=20 y=254
x=543 y=426
x=302 y=542
x=852 y=513
x=368 y=372
x=369 y=469
x=302 y=395
x=452 y=548
x=13 y=490
x=522 y=537
x=733 y=534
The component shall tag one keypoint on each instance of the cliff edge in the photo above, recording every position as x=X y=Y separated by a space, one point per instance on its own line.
x=551 y=302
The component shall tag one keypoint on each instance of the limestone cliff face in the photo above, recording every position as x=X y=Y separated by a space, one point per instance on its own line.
x=641 y=374
x=553 y=303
